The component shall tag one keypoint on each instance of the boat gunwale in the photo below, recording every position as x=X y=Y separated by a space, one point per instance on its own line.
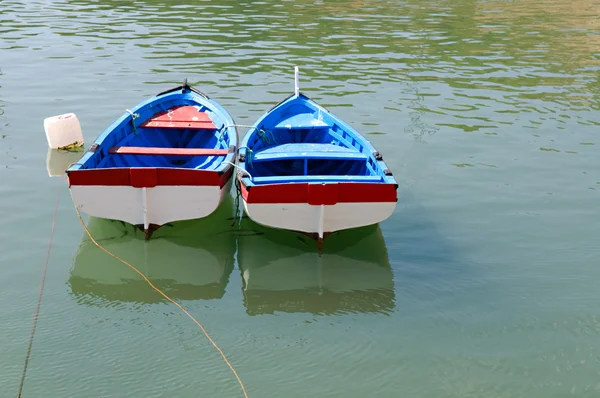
x=192 y=96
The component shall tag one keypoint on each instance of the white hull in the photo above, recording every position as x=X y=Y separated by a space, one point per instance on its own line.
x=144 y=206
x=319 y=219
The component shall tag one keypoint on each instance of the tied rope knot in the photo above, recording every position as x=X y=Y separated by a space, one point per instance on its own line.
x=133 y=117
x=264 y=136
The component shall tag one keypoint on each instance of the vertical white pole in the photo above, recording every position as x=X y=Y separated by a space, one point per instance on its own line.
x=296 y=83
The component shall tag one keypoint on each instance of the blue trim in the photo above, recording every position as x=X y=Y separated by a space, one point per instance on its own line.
x=325 y=178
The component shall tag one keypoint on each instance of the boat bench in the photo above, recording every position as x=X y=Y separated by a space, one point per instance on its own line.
x=308 y=151
x=137 y=150
x=316 y=178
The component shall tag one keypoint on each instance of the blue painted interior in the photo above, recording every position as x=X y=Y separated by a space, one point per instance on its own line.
x=122 y=133
x=300 y=141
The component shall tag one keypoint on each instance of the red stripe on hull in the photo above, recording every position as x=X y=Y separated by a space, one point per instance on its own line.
x=320 y=194
x=148 y=177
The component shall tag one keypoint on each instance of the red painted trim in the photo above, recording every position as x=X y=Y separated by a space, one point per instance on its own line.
x=244 y=191
x=226 y=176
x=323 y=194
x=320 y=194
x=99 y=177
x=136 y=150
x=181 y=117
x=143 y=177
x=148 y=177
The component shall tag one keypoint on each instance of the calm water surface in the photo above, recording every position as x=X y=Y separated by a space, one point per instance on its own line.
x=484 y=282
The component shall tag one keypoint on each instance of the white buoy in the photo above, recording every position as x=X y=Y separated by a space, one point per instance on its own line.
x=63 y=131
x=296 y=81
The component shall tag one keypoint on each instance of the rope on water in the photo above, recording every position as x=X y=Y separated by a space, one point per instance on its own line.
x=39 y=301
x=238 y=191
x=166 y=297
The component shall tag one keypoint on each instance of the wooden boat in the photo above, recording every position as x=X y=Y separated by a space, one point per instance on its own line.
x=170 y=158
x=282 y=273
x=190 y=260
x=304 y=169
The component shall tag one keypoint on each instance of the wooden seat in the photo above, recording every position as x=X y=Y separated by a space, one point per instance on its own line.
x=136 y=150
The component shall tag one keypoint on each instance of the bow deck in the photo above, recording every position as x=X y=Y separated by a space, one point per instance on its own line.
x=180 y=117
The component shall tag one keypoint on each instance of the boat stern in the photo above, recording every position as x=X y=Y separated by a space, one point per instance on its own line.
x=319 y=208
x=149 y=197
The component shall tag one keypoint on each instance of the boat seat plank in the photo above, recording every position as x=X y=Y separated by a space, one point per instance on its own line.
x=308 y=151
x=302 y=121
x=316 y=178
x=135 y=150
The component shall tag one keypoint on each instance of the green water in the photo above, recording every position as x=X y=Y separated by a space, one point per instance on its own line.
x=484 y=282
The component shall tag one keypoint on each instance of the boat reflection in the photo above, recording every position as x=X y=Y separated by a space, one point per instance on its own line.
x=282 y=272
x=188 y=260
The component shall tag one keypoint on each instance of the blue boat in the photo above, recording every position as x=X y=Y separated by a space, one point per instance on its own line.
x=304 y=169
x=170 y=158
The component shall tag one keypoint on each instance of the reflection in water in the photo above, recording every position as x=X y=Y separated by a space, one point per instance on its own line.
x=189 y=260
x=58 y=161
x=282 y=271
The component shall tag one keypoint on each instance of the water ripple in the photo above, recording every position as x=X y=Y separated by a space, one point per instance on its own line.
x=486 y=109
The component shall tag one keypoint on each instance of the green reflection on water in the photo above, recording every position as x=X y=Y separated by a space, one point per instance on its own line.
x=283 y=272
x=189 y=260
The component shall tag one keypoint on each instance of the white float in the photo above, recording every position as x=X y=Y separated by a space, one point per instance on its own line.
x=63 y=131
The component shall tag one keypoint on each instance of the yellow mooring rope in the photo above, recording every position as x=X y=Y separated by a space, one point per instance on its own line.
x=168 y=298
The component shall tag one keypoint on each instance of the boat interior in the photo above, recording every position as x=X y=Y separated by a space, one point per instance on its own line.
x=304 y=144
x=182 y=135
